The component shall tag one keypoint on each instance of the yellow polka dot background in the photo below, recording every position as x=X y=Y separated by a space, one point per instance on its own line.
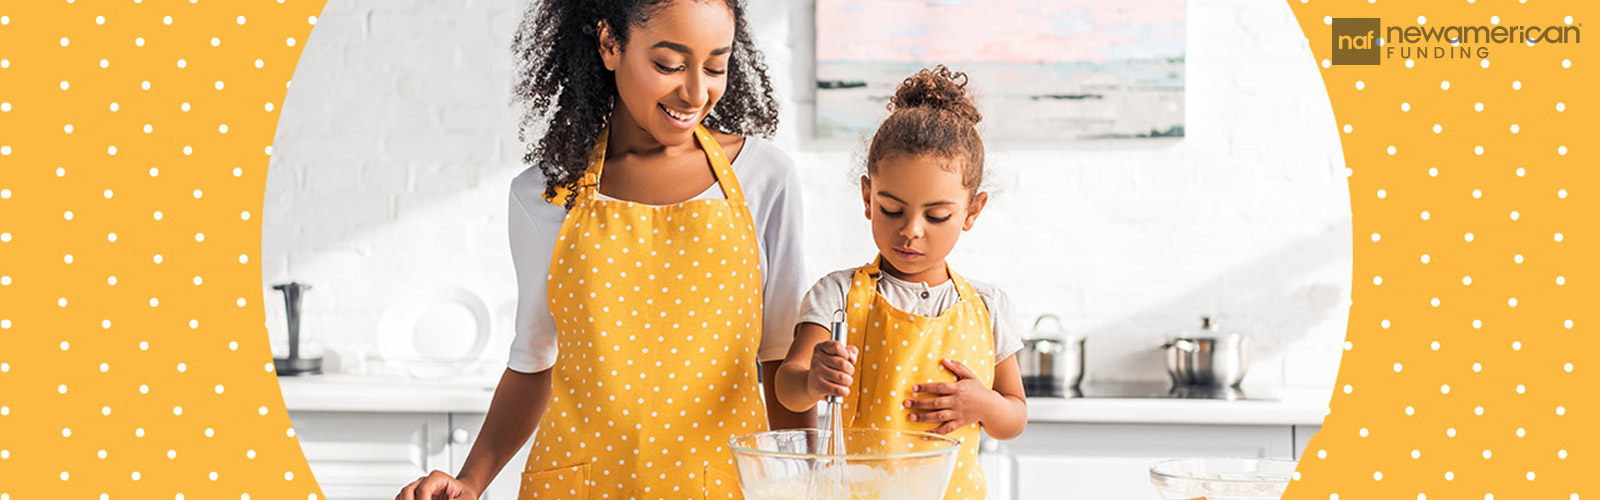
x=134 y=139
x=135 y=135
x=1469 y=368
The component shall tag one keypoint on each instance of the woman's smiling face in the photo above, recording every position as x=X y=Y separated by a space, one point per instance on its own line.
x=673 y=68
x=918 y=208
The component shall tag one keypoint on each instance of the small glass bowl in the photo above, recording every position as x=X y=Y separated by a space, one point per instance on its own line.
x=1216 y=478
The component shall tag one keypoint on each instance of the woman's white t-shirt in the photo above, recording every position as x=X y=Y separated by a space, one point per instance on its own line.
x=772 y=190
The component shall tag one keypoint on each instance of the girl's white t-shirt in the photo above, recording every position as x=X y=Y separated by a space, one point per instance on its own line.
x=772 y=190
x=826 y=298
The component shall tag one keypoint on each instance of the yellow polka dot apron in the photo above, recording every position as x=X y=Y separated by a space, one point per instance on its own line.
x=658 y=310
x=899 y=349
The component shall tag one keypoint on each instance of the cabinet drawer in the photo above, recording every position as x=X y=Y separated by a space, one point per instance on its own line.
x=357 y=456
x=1302 y=438
x=1112 y=461
x=508 y=483
x=1086 y=478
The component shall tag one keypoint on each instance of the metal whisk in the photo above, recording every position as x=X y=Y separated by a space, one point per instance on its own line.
x=824 y=485
x=835 y=404
x=836 y=421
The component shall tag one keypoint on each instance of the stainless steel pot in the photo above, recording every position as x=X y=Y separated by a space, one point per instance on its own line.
x=1051 y=364
x=1211 y=359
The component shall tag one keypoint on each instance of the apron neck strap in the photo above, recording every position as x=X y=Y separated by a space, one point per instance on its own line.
x=874 y=271
x=721 y=167
x=591 y=174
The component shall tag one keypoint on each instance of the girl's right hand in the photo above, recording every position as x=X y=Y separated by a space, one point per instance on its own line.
x=832 y=365
x=437 y=486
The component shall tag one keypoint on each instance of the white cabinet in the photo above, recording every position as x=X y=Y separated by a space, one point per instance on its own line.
x=370 y=456
x=362 y=456
x=1302 y=438
x=1070 y=461
x=464 y=431
x=996 y=468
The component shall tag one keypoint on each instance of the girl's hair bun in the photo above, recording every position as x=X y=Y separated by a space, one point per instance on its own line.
x=932 y=113
x=937 y=89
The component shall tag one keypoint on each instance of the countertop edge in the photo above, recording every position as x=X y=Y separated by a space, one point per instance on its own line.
x=1293 y=406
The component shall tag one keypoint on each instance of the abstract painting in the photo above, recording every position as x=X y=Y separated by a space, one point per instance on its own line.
x=1042 y=70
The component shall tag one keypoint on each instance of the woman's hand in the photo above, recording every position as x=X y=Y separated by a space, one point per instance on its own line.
x=832 y=367
x=437 y=486
x=955 y=404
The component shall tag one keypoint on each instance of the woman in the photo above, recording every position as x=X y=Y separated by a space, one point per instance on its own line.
x=657 y=258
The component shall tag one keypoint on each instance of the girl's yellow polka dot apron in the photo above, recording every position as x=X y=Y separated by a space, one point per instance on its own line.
x=659 y=313
x=899 y=349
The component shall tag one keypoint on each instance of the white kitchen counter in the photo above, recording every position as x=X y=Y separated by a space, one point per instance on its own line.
x=1289 y=406
x=351 y=393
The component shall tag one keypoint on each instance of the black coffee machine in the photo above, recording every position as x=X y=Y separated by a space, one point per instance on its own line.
x=295 y=364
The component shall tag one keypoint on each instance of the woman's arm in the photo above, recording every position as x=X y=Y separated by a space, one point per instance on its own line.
x=773 y=187
x=519 y=402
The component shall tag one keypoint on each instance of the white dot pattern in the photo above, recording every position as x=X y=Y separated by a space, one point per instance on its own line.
x=899 y=350
x=1466 y=394
x=659 y=313
x=103 y=394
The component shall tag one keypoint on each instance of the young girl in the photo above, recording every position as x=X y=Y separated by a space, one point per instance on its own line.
x=646 y=248
x=927 y=350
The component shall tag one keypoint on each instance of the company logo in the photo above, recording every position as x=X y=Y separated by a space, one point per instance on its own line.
x=1365 y=41
x=1355 y=40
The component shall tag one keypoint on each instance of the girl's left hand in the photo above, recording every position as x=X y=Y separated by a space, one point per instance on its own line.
x=957 y=404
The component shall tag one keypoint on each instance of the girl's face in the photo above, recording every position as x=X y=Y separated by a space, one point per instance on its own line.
x=673 y=69
x=918 y=209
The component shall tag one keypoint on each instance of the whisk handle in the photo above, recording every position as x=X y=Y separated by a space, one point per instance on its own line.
x=836 y=335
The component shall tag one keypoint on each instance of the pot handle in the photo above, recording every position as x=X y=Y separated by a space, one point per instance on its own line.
x=1057 y=319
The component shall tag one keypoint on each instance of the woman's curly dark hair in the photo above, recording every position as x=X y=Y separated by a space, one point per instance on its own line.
x=562 y=82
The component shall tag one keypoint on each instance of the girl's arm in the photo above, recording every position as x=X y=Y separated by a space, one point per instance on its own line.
x=778 y=415
x=797 y=387
x=1009 y=415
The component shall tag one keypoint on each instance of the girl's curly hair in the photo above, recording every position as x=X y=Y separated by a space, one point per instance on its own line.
x=932 y=113
x=561 y=82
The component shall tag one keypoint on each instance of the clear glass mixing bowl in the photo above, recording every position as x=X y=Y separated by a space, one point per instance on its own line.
x=875 y=464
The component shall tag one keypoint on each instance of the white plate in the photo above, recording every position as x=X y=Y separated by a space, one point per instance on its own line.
x=433 y=332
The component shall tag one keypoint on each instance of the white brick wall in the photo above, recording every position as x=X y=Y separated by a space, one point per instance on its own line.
x=396 y=146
